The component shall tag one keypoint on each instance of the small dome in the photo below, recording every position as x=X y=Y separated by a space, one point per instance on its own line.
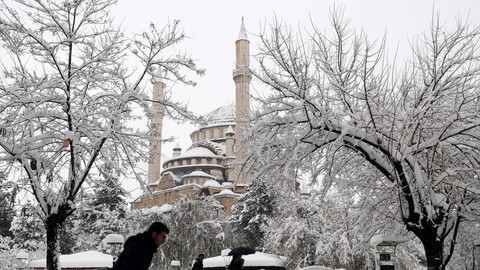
x=197 y=152
x=222 y=115
x=229 y=132
x=198 y=174
x=177 y=147
x=211 y=183
x=226 y=191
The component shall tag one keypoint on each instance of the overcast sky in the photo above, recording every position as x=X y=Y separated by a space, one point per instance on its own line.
x=213 y=25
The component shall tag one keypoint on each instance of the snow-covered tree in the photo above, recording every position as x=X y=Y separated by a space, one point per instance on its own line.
x=107 y=191
x=197 y=227
x=71 y=86
x=311 y=230
x=102 y=212
x=253 y=210
x=95 y=220
x=336 y=97
x=8 y=192
x=27 y=229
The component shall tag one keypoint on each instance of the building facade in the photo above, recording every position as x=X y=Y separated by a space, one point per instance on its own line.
x=211 y=165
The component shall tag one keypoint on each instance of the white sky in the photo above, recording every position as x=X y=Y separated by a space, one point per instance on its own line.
x=213 y=27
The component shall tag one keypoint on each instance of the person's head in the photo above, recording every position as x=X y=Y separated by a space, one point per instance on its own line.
x=237 y=258
x=201 y=256
x=159 y=232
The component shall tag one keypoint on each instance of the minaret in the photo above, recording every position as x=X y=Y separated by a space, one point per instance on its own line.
x=156 y=141
x=242 y=78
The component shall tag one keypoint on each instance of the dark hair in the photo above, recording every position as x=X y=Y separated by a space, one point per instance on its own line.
x=158 y=227
x=201 y=255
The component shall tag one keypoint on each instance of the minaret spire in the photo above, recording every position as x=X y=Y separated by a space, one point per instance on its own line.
x=243 y=33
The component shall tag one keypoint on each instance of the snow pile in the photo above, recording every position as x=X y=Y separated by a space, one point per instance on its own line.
x=87 y=259
x=257 y=259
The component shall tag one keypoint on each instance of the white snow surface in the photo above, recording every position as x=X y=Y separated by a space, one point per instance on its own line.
x=386 y=239
x=316 y=267
x=220 y=116
x=211 y=183
x=257 y=259
x=199 y=174
x=226 y=191
x=78 y=260
x=197 y=152
x=114 y=238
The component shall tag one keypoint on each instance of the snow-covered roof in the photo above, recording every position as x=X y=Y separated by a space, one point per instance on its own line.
x=87 y=259
x=257 y=259
x=226 y=192
x=114 y=238
x=228 y=184
x=166 y=208
x=211 y=183
x=220 y=116
x=199 y=174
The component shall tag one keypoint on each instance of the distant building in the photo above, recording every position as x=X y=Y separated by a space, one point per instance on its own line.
x=210 y=165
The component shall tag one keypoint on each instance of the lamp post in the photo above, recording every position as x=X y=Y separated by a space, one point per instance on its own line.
x=114 y=240
x=175 y=264
x=384 y=247
x=224 y=254
x=22 y=258
x=476 y=243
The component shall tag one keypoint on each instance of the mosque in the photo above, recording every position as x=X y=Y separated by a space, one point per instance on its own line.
x=210 y=166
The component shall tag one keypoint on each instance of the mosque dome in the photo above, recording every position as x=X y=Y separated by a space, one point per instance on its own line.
x=199 y=174
x=211 y=183
x=224 y=115
x=197 y=152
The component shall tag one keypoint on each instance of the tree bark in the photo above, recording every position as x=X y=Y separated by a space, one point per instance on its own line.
x=433 y=246
x=52 y=226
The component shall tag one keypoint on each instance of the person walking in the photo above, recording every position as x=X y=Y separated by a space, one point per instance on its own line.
x=138 y=250
x=198 y=264
x=236 y=263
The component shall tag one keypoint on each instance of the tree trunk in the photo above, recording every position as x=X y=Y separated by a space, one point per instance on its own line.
x=52 y=227
x=433 y=247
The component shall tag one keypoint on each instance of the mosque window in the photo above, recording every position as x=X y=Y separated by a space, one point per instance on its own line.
x=209 y=160
x=189 y=162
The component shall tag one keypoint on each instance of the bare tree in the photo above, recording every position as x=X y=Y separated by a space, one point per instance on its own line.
x=335 y=99
x=70 y=91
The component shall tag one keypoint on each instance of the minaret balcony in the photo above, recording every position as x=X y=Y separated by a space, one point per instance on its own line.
x=244 y=72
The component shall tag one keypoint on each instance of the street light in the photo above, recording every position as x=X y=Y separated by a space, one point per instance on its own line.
x=384 y=247
x=224 y=254
x=113 y=240
x=476 y=243
x=175 y=264
x=22 y=257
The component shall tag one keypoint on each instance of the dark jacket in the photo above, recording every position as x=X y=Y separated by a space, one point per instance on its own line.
x=197 y=265
x=235 y=265
x=137 y=253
